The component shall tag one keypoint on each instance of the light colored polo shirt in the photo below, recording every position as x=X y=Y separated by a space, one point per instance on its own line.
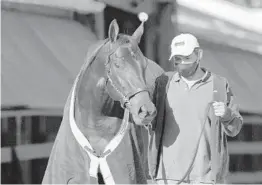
x=185 y=115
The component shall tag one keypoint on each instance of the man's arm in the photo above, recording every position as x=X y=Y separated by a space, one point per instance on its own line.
x=232 y=120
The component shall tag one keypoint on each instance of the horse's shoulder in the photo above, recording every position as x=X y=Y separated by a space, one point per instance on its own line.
x=169 y=74
x=165 y=77
x=154 y=67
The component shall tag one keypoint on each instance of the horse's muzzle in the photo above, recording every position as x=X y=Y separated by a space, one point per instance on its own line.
x=142 y=108
x=147 y=113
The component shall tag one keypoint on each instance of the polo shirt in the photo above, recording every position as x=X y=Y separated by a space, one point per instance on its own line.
x=185 y=116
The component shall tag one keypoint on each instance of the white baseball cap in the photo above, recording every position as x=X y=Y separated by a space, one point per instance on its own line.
x=183 y=44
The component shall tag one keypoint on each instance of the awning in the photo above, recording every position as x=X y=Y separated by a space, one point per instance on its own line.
x=41 y=57
x=249 y=19
x=243 y=70
x=218 y=30
x=81 y=6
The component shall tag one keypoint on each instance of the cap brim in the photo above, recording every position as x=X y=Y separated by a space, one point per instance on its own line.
x=181 y=53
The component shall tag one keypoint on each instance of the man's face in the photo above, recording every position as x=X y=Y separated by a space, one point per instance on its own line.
x=186 y=65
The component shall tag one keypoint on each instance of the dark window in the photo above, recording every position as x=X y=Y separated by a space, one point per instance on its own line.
x=52 y=127
x=128 y=22
x=45 y=128
x=37 y=135
x=8 y=131
x=5 y=173
x=245 y=163
x=38 y=170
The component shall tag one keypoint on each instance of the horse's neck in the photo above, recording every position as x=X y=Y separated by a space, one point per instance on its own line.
x=99 y=131
x=98 y=128
x=94 y=125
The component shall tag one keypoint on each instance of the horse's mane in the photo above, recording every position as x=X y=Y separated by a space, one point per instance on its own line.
x=92 y=53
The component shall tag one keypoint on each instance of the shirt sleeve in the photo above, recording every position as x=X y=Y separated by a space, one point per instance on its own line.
x=233 y=121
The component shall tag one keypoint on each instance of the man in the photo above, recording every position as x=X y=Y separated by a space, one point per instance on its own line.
x=196 y=112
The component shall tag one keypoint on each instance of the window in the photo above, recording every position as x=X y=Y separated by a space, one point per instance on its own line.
x=8 y=131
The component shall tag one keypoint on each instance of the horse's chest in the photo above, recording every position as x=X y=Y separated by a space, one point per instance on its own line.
x=98 y=144
x=102 y=134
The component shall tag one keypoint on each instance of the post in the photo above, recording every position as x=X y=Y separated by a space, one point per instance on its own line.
x=99 y=25
x=159 y=32
x=18 y=130
x=27 y=140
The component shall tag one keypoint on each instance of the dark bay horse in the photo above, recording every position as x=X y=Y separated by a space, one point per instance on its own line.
x=97 y=140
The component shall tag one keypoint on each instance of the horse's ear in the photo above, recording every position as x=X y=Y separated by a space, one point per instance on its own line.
x=113 y=31
x=137 y=35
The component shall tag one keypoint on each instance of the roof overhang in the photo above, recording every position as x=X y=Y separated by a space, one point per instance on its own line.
x=81 y=6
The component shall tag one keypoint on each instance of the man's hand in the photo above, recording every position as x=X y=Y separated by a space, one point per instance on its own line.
x=221 y=110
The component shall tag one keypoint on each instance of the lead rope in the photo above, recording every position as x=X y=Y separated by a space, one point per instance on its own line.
x=196 y=150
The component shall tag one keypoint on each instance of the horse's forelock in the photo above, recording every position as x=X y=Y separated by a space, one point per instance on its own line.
x=126 y=39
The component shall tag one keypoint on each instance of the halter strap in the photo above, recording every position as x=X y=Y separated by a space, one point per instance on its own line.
x=125 y=99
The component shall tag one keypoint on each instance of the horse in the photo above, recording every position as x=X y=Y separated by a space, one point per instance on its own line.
x=101 y=136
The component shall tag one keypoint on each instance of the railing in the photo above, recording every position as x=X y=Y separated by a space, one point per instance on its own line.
x=38 y=151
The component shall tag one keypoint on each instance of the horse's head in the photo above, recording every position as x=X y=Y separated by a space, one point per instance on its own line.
x=125 y=74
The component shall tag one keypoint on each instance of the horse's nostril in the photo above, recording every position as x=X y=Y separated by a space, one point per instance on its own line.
x=153 y=113
x=142 y=109
x=143 y=112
